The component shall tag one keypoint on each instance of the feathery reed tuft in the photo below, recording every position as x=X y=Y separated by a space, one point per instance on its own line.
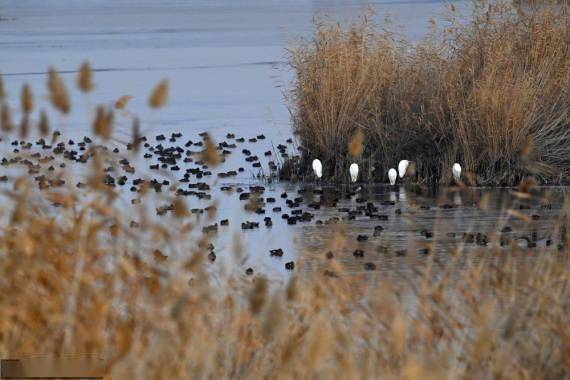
x=210 y=153
x=121 y=103
x=103 y=123
x=6 y=118
x=82 y=273
x=477 y=95
x=159 y=95
x=84 y=78
x=43 y=125
x=58 y=93
x=2 y=90
x=27 y=99
x=356 y=144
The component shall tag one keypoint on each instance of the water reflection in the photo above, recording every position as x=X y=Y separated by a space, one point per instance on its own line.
x=405 y=228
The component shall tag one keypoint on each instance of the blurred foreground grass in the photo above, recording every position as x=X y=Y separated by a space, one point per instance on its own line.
x=78 y=277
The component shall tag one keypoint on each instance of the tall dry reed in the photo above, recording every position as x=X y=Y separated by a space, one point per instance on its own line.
x=492 y=94
x=81 y=274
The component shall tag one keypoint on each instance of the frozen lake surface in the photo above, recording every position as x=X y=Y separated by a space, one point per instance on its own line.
x=226 y=59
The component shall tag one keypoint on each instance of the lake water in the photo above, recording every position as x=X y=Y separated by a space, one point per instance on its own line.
x=226 y=62
x=226 y=59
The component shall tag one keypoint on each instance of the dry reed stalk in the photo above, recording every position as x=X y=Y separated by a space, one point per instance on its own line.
x=2 y=90
x=43 y=125
x=159 y=96
x=210 y=153
x=6 y=118
x=121 y=103
x=58 y=92
x=476 y=97
x=84 y=78
x=103 y=123
x=79 y=278
x=27 y=99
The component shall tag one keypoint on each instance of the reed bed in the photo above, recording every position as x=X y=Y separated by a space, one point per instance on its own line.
x=490 y=93
x=84 y=282
x=77 y=277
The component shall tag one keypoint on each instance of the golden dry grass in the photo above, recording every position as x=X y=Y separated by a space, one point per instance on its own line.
x=85 y=282
x=491 y=94
x=77 y=277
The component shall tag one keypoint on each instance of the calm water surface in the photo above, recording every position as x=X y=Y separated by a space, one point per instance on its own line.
x=226 y=61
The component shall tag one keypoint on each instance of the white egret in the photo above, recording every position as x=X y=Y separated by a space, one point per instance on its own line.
x=456 y=170
x=402 y=167
x=392 y=175
x=353 y=172
x=318 y=168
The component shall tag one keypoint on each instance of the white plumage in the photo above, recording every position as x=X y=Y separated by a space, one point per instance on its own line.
x=353 y=172
x=318 y=168
x=402 y=167
x=456 y=170
x=392 y=175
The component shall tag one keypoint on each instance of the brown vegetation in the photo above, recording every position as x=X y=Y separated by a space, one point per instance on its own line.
x=491 y=94
x=84 y=281
x=78 y=276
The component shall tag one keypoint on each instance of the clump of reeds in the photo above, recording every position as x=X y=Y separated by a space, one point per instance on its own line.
x=77 y=276
x=491 y=94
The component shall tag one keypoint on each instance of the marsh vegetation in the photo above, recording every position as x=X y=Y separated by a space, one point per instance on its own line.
x=137 y=248
x=489 y=92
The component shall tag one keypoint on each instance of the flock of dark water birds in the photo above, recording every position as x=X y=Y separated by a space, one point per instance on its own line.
x=191 y=168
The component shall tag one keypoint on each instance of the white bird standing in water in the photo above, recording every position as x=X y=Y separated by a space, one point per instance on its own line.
x=456 y=170
x=392 y=175
x=402 y=167
x=353 y=172
x=318 y=168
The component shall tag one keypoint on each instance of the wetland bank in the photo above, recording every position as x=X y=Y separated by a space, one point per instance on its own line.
x=171 y=248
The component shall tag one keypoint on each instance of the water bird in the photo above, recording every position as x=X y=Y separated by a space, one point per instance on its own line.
x=392 y=175
x=353 y=172
x=369 y=266
x=276 y=252
x=456 y=170
x=318 y=168
x=402 y=167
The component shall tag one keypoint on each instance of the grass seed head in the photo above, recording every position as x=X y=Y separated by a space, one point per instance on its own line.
x=6 y=118
x=121 y=103
x=356 y=146
x=103 y=123
x=43 y=125
x=84 y=78
x=210 y=153
x=27 y=99
x=159 y=96
x=58 y=93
